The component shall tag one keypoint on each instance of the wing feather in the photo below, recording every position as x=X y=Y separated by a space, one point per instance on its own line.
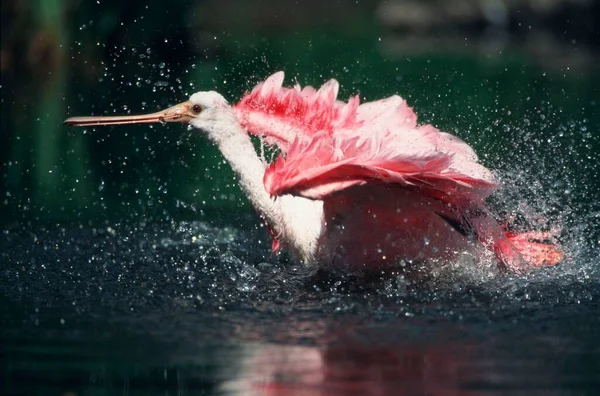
x=328 y=145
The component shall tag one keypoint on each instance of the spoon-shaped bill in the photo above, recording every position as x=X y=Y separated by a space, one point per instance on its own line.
x=182 y=112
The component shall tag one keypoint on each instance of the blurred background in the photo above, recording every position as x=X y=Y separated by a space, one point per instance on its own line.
x=130 y=262
x=512 y=77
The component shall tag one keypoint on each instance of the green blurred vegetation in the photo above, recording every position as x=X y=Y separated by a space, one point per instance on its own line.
x=64 y=58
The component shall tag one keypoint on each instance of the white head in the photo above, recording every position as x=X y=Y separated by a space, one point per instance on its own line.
x=208 y=99
x=206 y=109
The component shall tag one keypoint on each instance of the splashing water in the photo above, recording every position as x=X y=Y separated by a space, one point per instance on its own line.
x=205 y=305
x=166 y=296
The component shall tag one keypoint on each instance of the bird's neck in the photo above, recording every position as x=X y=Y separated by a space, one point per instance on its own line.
x=296 y=221
x=237 y=148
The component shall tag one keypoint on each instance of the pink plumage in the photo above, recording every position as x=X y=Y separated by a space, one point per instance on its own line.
x=361 y=185
x=331 y=145
x=429 y=182
x=282 y=115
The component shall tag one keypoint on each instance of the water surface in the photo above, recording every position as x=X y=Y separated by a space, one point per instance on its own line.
x=189 y=309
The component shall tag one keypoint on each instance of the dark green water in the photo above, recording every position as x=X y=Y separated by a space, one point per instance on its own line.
x=132 y=264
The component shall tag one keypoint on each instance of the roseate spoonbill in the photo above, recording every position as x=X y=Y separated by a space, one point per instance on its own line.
x=357 y=185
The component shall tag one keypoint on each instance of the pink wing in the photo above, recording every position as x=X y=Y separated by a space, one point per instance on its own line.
x=280 y=115
x=330 y=145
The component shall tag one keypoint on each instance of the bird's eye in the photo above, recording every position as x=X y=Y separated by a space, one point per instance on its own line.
x=196 y=108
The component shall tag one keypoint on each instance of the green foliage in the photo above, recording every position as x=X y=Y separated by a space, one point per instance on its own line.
x=109 y=57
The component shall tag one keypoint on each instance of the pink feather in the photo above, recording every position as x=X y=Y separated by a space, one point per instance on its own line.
x=329 y=145
x=280 y=115
x=329 y=148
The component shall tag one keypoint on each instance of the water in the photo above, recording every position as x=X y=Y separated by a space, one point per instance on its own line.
x=131 y=264
x=187 y=308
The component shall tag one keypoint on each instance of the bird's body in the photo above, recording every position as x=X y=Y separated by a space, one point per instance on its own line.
x=356 y=185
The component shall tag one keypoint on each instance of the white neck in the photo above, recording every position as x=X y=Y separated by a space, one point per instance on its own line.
x=297 y=221
x=237 y=148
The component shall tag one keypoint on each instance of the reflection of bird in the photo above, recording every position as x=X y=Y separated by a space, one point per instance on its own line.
x=357 y=185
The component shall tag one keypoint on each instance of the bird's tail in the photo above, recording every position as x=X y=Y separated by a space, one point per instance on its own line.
x=516 y=252
x=538 y=249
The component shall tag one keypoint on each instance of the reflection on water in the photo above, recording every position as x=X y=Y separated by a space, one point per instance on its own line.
x=384 y=358
x=359 y=367
x=188 y=309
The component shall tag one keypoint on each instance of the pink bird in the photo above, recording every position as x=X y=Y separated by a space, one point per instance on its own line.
x=359 y=186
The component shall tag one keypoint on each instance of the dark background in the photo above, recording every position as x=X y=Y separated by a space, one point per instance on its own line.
x=516 y=79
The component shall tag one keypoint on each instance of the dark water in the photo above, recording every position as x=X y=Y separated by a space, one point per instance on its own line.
x=187 y=309
x=131 y=264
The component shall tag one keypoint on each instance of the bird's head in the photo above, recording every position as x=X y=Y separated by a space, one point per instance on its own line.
x=202 y=110
x=205 y=109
